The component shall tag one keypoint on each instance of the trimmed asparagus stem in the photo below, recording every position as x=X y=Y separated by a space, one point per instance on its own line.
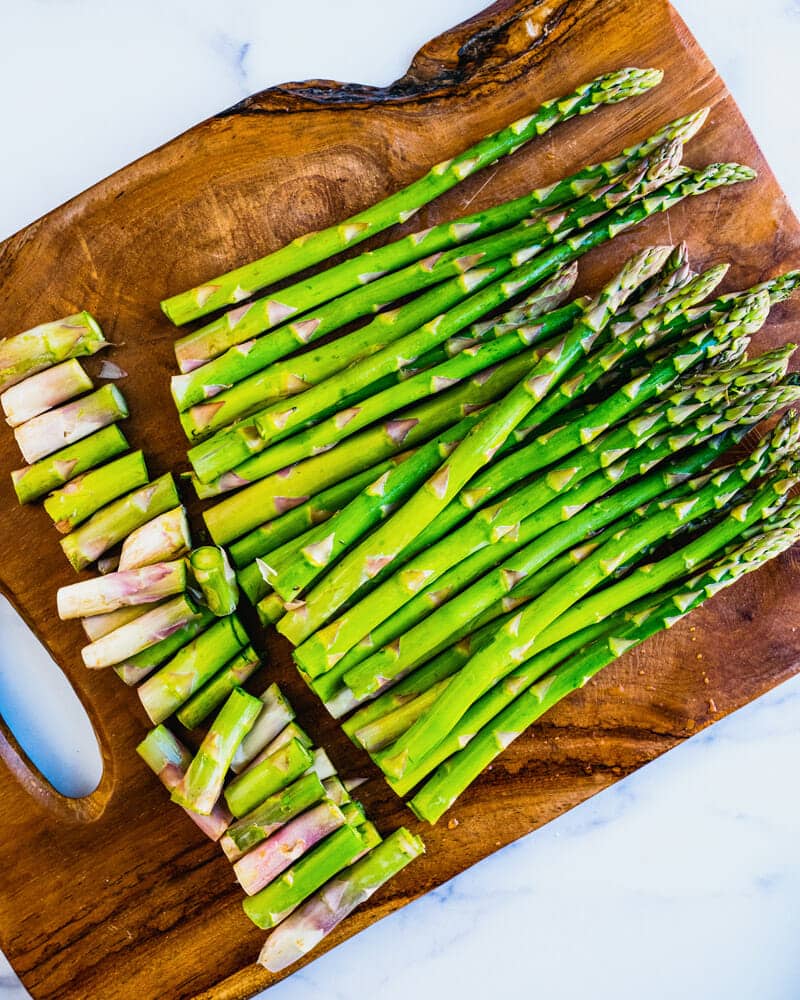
x=34 y=481
x=164 y=692
x=265 y=862
x=141 y=665
x=515 y=641
x=86 y=494
x=326 y=646
x=455 y=776
x=213 y=574
x=168 y=758
x=286 y=735
x=165 y=538
x=116 y=590
x=322 y=765
x=277 y=900
x=42 y=392
x=304 y=929
x=96 y=626
x=214 y=692
x=273 y=813
x=202 y=783
x=153 y=627
x=251 y=788
x=276 y=714
x=119 y=519
x=70 y=423
x=47 y=345
x=315 y=247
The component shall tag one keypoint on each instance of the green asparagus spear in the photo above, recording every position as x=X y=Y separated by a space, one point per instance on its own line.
x=214 y=692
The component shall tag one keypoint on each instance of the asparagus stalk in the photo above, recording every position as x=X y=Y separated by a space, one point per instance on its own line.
x=272 y=815
x=47 y=345
x=322 y=765
x=96 y=626
x=303 y=930
x=202 y=783
x=323 y=649
x=164 y=539
x=125 y=642
x=277 y=900
x=116 y=590
x=119 y=519
x=56 y=429
x=34 y=481
x=217 y=582
x=286 y=735
x=275 y=715
x=168 y=758
x=29 y=399
x=214 y=692
x=455 y=776
x=135 y=668
x=264 y=863
x=195 y=663
x=86 y=494
x=315 y=247
x=251 y=788
x=516 y=640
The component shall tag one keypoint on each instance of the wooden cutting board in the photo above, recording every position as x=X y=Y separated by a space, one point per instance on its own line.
x=117 y=896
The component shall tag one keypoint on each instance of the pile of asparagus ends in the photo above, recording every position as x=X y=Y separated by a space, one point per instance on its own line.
x=462 y=509
x=302 y=849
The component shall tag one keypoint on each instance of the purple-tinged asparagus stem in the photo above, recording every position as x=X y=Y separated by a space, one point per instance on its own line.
x=34 y=481
x=275 y=715
x=39 y=393
x=47 y=345
x=144 y=632
x=168 y=758
x=286 y=735
x=70 y=423
x=271 y=815
x=266 y=861
x=106 y=593
x=201 y=786
x=113 y=523
x=163 y=539
x=325 y=910
x=164 y=692
x=214 y=692
x=250 y=789
x=85 y=495
x=135 y=669
x=96 y=626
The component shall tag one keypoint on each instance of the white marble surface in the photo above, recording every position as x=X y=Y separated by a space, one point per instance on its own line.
x=685 y=877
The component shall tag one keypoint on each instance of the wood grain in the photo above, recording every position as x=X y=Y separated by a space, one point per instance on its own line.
x=117 y=896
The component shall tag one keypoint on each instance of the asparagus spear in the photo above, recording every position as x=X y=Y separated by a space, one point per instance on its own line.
x=516 y=640
x=115 y=590
x=326 y=909
x=286 y=735
x=251 y=788
x=214 y=692
x=96 y=626
x=86 y=494
x=315 y=247
x=141 y=634
x=324 y=648
x=213 y=575
x=165 y=691
x=276 y=714
x=264 y=863
x=29 y=399
x=453 y=777
x=277 y=900
x=273 y=814
x=117 y=520
x=322 y=765
x=168 y=758
x=70 y=423
x=135 y=668
x=165 y=538
x=202 y=783
x=34 y=481
x=47 y=345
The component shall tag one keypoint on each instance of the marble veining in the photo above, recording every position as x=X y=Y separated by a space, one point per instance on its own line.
x=682 y=878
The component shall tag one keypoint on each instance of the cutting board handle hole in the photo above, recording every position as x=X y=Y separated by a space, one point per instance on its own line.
x=44 y=716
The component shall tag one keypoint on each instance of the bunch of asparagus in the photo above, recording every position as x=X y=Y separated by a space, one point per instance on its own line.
x=302 y=849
